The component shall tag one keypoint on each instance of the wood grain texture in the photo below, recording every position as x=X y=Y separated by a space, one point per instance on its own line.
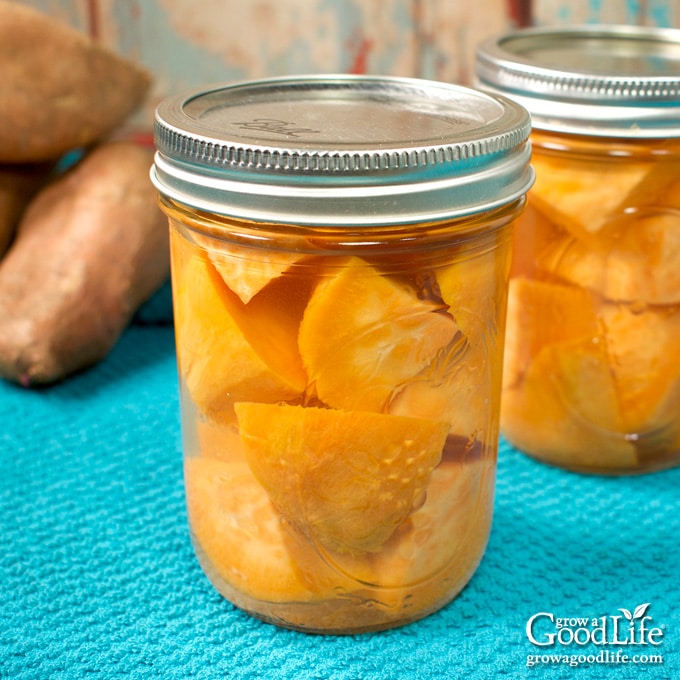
x=186 y=44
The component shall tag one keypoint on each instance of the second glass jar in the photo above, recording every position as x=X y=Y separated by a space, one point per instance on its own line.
x=592 y=376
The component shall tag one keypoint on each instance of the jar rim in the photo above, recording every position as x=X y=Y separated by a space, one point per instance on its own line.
x=605 y=80
x=342 y=149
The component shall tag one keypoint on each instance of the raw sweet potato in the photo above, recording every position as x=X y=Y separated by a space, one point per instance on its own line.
x=60 y=90
x=18 y=183
x=91 y=247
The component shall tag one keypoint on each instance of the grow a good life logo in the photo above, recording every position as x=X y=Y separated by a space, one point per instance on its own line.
x=628 y=637
x=544 y=629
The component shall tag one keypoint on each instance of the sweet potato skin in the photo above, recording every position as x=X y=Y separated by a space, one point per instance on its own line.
x=90 y=249
x=60 y=90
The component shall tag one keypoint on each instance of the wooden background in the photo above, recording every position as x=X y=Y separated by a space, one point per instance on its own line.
x=191 y=43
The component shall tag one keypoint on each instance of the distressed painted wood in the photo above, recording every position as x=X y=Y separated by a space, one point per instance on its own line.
x=188 y=44
x=641 y=12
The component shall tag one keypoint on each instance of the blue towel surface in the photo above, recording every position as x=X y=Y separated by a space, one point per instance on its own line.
x=99 y=580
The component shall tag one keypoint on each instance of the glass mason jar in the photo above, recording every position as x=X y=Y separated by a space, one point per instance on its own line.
x=592 y=369
x=340 y=256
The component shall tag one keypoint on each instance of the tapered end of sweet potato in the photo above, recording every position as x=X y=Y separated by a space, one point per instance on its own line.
x=90 y=248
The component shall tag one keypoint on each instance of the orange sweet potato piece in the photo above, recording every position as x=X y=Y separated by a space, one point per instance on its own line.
x=265 y=565
x=641 y=265
x=348 y=479
x=455 y=389
x=533 y=232
x=246 y=544
x=541 y=314
x=363 y=335
x=91 y=247
x=582 y=195
x=473 y=286
x=589 y=384
x=643 y=346
x=566 y=412
x=246 y=270
x=229 y=351
x=60 y=89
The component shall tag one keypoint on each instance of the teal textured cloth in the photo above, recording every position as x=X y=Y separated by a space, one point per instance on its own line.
x=98 y=577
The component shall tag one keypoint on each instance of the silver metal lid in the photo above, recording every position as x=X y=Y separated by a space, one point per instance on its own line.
x=619 y=81
x=342 y=150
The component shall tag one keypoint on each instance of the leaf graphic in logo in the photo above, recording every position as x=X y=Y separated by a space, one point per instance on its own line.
x=627 y=614
x=640 y=610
